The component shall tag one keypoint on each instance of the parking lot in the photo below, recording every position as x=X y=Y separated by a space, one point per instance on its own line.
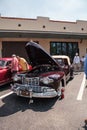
x=45 y=114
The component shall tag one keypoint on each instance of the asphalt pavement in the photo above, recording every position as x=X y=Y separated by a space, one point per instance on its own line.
x=46 y=114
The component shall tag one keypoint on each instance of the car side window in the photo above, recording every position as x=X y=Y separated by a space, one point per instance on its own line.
x=60 y=61
x=8 y=63
x=2 y=63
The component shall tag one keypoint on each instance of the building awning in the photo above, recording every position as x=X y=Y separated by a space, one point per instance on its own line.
x=40 y=34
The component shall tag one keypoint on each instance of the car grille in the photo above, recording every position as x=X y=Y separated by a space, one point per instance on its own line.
x=32 y=81
x=37 y=89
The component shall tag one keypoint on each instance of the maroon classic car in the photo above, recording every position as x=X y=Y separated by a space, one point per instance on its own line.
x=5 y=71
x=45 y=80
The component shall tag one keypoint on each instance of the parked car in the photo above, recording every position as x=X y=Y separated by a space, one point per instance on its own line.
x=66 y=65
x=45 y=80
x=5 y=71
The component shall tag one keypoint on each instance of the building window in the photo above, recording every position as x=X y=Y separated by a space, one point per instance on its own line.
x=64 y=48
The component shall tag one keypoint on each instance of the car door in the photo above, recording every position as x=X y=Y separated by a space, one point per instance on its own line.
x=5 y=73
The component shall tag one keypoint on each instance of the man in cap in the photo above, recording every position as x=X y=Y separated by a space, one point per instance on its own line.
x=76 y=62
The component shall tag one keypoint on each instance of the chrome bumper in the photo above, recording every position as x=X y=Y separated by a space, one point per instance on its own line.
x=30 y=94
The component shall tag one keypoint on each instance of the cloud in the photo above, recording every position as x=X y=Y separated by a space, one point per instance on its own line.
x=70 y=10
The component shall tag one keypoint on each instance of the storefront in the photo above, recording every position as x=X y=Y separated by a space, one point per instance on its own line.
x=56 y=37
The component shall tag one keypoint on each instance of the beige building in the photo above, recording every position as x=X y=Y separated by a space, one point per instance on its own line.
x=57 y=37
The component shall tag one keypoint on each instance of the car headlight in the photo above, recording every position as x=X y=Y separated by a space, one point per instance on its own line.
x=46 y=80
x=44 y=90
x=16 y=78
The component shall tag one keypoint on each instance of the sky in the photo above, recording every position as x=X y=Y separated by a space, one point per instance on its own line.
x=59 y=10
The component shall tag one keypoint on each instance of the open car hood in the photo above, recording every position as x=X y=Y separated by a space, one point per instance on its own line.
x=37 y=55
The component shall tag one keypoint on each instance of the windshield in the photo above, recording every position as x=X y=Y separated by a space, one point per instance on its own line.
x=61 y=61
x=2 y=63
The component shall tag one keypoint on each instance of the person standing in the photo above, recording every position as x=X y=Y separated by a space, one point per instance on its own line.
x=76 y=62
x=82 y=62
x=23 y=63
x=85 y=66
x=14 y=65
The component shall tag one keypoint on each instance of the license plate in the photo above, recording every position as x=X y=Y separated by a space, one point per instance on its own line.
x=25 y=93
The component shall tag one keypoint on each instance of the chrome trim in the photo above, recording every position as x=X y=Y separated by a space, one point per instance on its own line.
x=50 y=93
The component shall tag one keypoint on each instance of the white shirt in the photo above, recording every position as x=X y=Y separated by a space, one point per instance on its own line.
x=76 y=60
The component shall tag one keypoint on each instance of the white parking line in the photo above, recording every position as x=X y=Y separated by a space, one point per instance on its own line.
x=80 y=94
x=3 y=96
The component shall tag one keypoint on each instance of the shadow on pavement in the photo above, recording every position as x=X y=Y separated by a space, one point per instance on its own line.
x=5 y=87
x=12 y=104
